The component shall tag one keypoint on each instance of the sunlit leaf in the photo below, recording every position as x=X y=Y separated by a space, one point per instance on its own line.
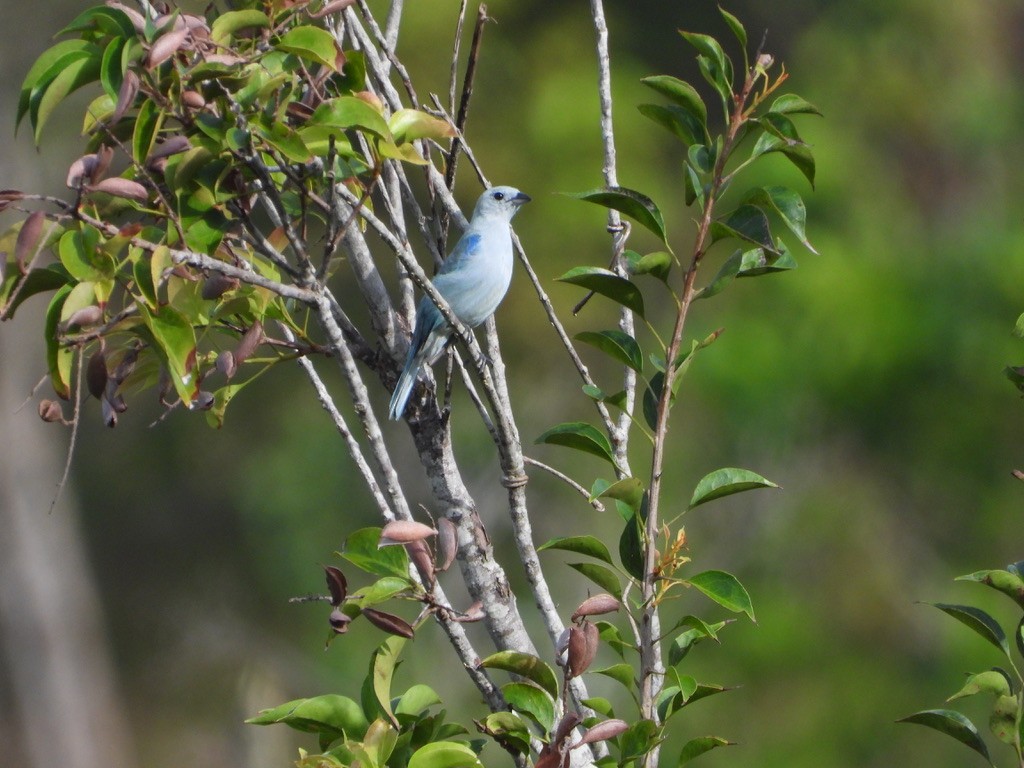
x=362 y=550
x=531 y=700
x=590 y=546
x=580 y=436
x=621 y=673
x=682 y=93
x=636 y=205
x=607 y=283
x=349 y=112
x=411 y=124
x=600 y=575
x=725 y=589
x=176 y=342
x=444 y=754
x=992 y=681
x=524 y=665
x=330 y=712
x=311 y=43
x=725 y=482
x=225 y=25
x=791 y=104
x=617 y=345
x=696 y=747
x=1010 y=584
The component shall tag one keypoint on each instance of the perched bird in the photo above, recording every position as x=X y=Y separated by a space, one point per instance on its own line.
x=473 y=280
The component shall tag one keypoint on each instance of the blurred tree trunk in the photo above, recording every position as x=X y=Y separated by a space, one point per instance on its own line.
x=55 y=664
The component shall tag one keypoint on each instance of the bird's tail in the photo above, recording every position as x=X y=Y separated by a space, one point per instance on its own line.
x=404 y=387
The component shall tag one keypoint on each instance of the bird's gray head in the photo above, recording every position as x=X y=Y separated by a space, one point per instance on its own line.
x=500 y=201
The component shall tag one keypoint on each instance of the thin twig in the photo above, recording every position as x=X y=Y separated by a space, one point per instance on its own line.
x=595 y=503
x=467 y=93
x=75 y=421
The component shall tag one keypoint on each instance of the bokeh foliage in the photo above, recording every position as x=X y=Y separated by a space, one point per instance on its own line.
x=870 y=386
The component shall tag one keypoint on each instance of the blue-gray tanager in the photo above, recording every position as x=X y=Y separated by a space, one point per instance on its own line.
x=473 y=280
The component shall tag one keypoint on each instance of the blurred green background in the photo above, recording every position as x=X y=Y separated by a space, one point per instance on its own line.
x=867 y=383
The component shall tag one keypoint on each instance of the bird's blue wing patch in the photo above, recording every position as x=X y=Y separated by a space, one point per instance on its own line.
x=467 y=246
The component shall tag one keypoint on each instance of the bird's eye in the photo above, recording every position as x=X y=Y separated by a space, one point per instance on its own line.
x=499 y=195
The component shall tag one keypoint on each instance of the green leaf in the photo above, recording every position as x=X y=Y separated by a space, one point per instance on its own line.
x=109 y=21
x=380 y=591
x=349 y=112
x=603 y=577
x=621 y=673
x=147 y=125
x=329 y=713
x=791 y=104
x=704 y=690
x=1010 y=584
x=749 y=223
x=684 y=641
x=696 y=747
x=612 y=637
x=73 y=76
x=637 y=741
x=444 y=754
x=725 y=589
x=508 y=729
x=591 y=546
x=531 y=700
x=225 y=25
x=286 y=141
x=111 y=68
x=738 y=30
x=677 y=121
x=682 y=93
x=311 y=43
x=725 y=482
x=629 y=490
x=361 y=549
x=631 y=552
x=658 y=264
x=634 y=204
x=580 y=436
x=417 y=699
x=58 y=358
x=781 y=136
x=1003 y=720
x=524 y=665
x=600 y=705
x=709 y=47
x=979 y=621
x=48 y=278
x=49 y=64
x=176 y=343
x=617 y=345
x=788 y=205
x=412 y=124
x=992 y=681
x=382 y=669
x=609 y=284
x=951 y=723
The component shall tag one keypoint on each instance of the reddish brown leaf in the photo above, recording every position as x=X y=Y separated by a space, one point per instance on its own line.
x=193 y=99
x=404 y=531
x=598 y=604
x=339 y=621
x=216 y=285
x=447 y=544
x=166 y=46
x=474 y=613
x=28 y=239
x=420 y=556
x=389 y=622
x=119 y=187
x=103 y=157
x=337 y=584
x=50 y=411
x=226 y=363
x=8 y=196
x=96 y=373
x=582 y=648
x=173 y=146
x=250 y=341
x=136 y=18
x=126 y=96
x=607 y=729
x=332 y=7
x=85 y=316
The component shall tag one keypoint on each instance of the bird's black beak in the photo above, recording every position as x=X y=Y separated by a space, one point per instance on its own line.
x=521 y=199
